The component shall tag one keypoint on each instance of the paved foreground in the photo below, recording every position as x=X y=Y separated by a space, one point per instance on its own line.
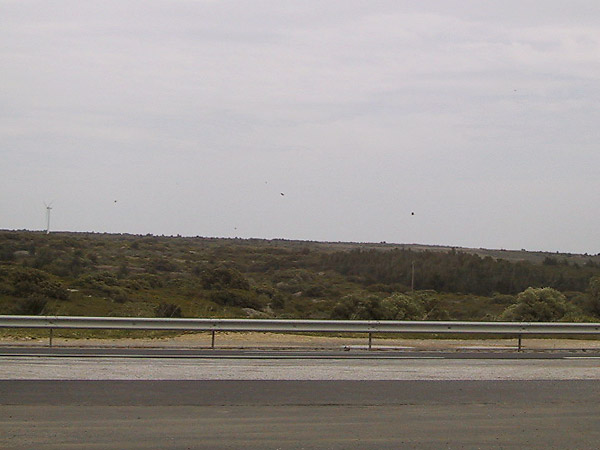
x=299 y=368
x=474 y=409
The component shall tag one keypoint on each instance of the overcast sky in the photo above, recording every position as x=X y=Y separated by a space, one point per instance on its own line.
x=194 y=117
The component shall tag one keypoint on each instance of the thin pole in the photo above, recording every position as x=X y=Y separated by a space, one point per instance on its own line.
x=48 y=208
x=519 y=345
x=412 y=279
x=212 y=343
x=370 y=340
x=50 y=340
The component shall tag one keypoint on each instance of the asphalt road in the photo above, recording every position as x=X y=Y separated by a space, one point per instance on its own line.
x=556 y=405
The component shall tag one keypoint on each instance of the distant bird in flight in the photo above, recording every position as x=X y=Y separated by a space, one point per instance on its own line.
x=412 y=213
x=282 y=193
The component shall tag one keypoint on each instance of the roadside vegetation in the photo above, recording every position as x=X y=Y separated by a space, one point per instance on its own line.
x=92 y=274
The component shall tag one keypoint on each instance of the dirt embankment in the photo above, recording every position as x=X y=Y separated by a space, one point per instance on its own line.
x=294 y=341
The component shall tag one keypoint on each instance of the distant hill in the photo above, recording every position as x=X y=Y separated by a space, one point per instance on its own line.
x=145 y=275
x=537 y=257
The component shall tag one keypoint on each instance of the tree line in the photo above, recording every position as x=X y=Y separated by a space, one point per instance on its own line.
x=456 y=271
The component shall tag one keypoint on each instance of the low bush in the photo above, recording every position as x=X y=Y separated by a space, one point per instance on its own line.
x=167 y=310
x=31 y=306
x=24 y=282
x=537 y=305
x=224 y=278
x=238 y=298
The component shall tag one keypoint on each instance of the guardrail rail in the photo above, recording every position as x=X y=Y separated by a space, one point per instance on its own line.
x=517 y=329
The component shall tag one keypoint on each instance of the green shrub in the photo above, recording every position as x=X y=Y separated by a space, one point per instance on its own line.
x=316 y=290
x=503 y=299
x=24 y=282
x=162 y=265
x=403 y=307
x=594 y=290
x=278 y=301
x=167 y=310
x=97 y=281
x=224 y=278
x=238 y=298
x=537 y=305
x=104 y=284
x=394 y=307
x=359 y=307
x=147 y=281
x=438 y=314
x=31 y=306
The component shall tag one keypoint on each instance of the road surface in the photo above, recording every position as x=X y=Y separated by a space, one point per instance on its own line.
x=333 y=401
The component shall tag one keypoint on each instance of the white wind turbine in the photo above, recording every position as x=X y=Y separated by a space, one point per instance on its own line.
x=48 y=209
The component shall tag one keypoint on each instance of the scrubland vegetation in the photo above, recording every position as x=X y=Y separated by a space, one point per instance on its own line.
x=93 y=274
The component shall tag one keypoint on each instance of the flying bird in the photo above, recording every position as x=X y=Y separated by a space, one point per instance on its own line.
x=282 y=193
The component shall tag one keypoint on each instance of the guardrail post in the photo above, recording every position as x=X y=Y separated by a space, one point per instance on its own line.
x=519 y=344
x=212 y=342
x=50 y=337
x=370 y=339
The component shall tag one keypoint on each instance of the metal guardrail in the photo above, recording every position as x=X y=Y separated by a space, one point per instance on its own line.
x=283 y=325
x=300 y=326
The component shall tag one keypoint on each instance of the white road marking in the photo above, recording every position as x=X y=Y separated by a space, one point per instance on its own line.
x=582 y=357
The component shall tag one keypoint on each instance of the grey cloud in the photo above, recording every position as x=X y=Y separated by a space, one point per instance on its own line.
x=479 y=114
